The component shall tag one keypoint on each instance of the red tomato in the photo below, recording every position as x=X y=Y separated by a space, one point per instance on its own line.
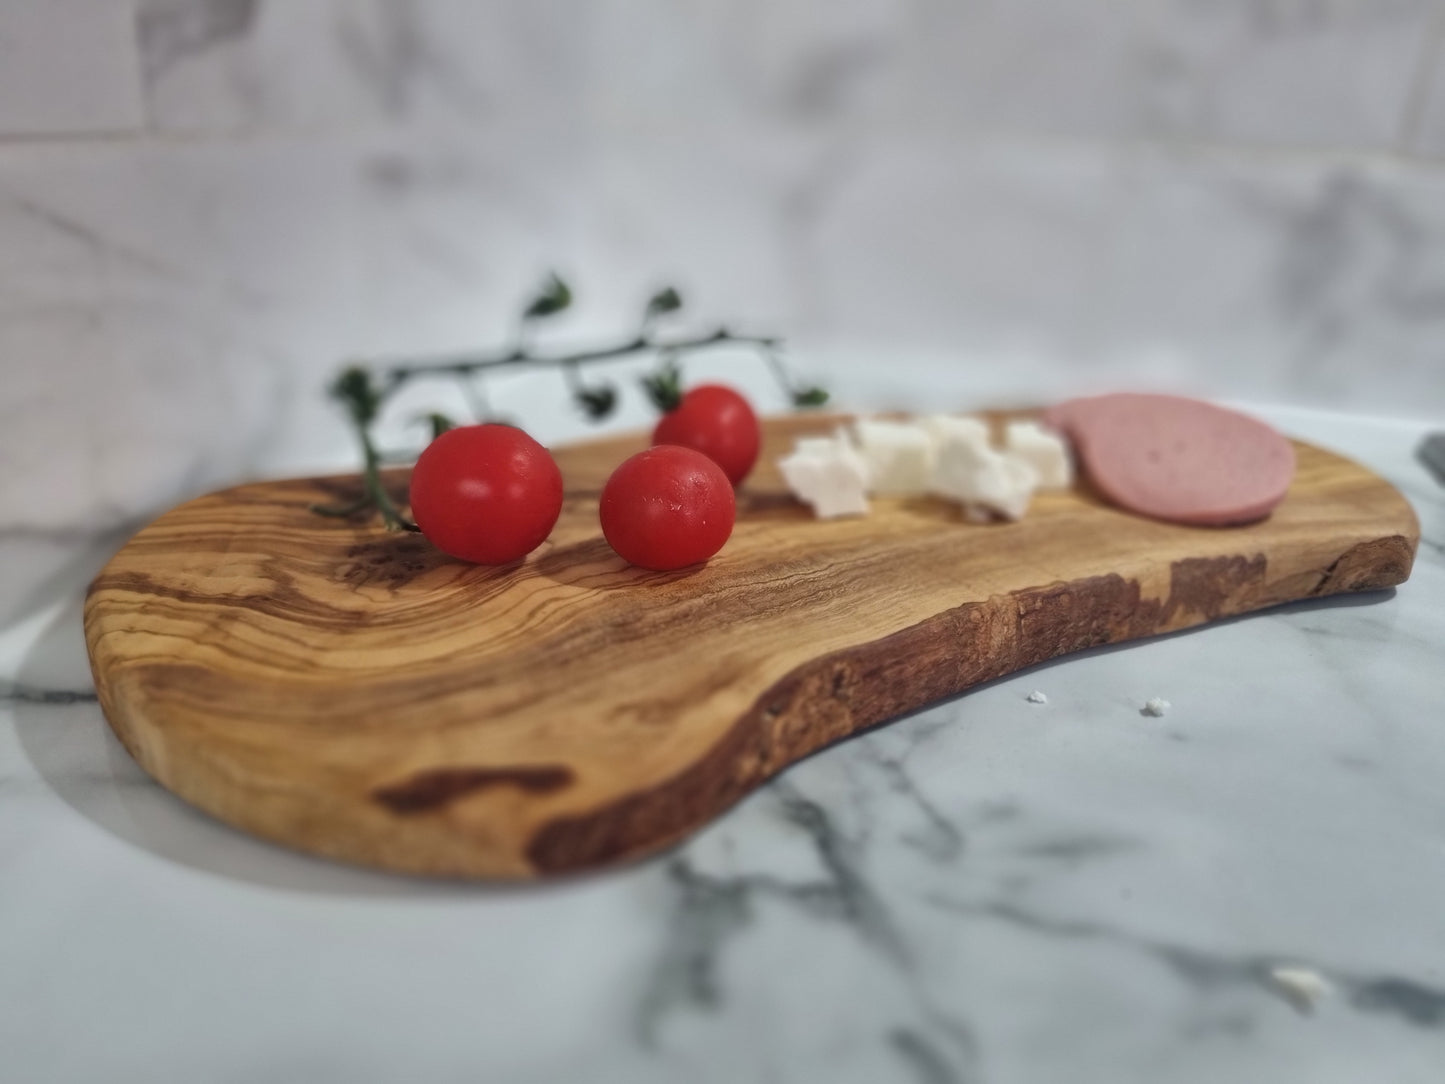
x=667 y=507
x=719 y=423
x=486 y=493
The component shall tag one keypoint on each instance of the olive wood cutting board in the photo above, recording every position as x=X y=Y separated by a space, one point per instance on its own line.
x=355 y=693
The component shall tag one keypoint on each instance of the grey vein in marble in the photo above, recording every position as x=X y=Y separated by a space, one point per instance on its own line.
x=171 y=30
x=939 y=839
x=928 y=1064
x=28 y=694
x=393 y=54
x=826 y=79
x=1432 y=453
x=1412 y=1001
x=710 y=909
x=95 y=240
x=130 y=257
x=713 y=909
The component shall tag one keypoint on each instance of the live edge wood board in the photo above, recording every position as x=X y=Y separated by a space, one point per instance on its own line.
x=352 y=692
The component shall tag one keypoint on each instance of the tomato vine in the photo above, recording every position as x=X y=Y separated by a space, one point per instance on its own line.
x=364 y=388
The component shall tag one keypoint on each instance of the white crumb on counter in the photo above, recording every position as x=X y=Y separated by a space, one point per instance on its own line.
x=827 y=474
x=1302 y=987
x=1046 y=452
x=1037 y=697
x=1155 y=706
x=898 y=456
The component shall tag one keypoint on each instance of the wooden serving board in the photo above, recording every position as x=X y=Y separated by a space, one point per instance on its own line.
x=355 y=693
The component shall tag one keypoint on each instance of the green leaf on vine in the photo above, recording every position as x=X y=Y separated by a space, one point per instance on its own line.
x=664 y=387
x=555 y=296
x=597 y=402
x=664 y=301
x=439 y=423
x=809 y=397
x=354 y=388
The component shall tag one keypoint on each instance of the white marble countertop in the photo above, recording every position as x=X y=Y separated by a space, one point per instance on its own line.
x=990 y=890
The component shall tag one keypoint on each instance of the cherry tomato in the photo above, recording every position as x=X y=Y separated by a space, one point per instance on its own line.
x=667 y=507
x=719 y=423
x=486 y=493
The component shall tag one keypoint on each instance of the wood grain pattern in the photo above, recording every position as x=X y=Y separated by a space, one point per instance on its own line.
x=357 y=694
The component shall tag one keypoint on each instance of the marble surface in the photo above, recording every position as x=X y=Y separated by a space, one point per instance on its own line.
x=206 y=204
x=68 y=68
x=991 y=890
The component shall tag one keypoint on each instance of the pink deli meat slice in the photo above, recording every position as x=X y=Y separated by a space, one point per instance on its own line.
x=1178 y=459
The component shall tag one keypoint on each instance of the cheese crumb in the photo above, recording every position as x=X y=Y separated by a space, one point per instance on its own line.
x=1155 y=706
x=976 y=474
x=1046 y=452
x=1302 y=987
x=898 y=455
x=817 y=445
x=1037 y=697
x=942 y=428
x=827 y=474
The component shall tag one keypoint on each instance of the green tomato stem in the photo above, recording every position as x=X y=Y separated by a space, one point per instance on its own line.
x=364 y=396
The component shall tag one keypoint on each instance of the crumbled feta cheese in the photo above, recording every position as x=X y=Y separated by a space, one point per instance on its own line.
x=945 y=454
x=1155 y=706
x=1037 y=697
x=814 y=445
x=899 y=456
x=976 y=474
x=1302 y=987
x=827 y=474
x=942 y=428
x=1045 y=450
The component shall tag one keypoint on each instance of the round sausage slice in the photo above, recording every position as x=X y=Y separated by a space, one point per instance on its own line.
x=1178 y=459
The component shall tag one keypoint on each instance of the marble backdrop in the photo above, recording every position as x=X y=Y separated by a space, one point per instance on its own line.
x=206 y=204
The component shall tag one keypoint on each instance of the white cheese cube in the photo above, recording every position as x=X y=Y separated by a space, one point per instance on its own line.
x=955 y=467
x=827 y=474
x=974 y=475
x=946 y=427
x=899 y=456
x=815 y=445
x=1045 y=450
